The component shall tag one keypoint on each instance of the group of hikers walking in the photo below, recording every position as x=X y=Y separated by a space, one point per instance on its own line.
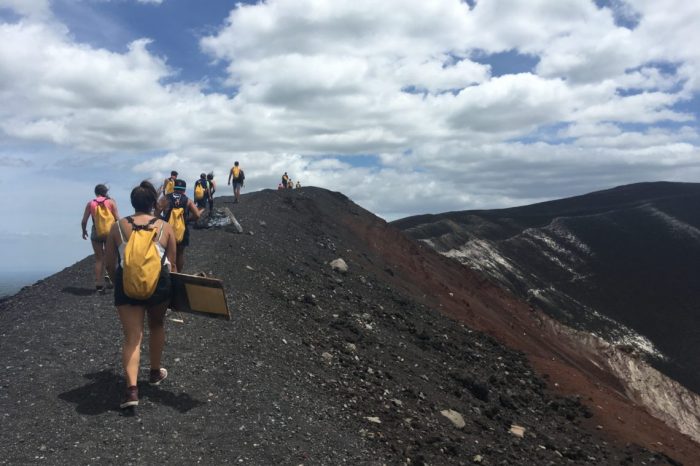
x=287 y=183
x=139 y=252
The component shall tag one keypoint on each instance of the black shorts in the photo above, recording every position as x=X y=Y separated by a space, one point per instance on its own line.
x=159 y=296
x=93 y=236
x=185 y=238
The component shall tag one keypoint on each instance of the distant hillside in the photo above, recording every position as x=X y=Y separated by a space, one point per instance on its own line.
x=399 y=360
x=12 y=281
x=623 y=263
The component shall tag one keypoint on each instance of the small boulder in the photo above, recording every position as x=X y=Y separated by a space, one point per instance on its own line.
x=518 y=431
x=350 y=347
x=455 y=418
x=339 y=265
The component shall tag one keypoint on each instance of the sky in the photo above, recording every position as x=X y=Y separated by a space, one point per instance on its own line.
x=405 y=106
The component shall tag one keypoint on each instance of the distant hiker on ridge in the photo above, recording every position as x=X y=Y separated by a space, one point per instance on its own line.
x=285 y=180
x=212 y=190
x=168 y=184
x=238 y=177
x=140 y=253
x=298 y=185
x=104 y=213
x=280 y=187
x=177 y=209
x=201 y=191
x=290 y=184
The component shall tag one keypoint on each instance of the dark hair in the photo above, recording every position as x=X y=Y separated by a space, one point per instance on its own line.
x=173 y=173
x=144 y=197
x=203 y=176
x=235 y=163
x=101 y=190
x=210 y=176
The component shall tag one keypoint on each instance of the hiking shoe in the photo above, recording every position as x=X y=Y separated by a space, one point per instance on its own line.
x=108 y=282
x=157 y=376
x=131 y=397
x=99 y=289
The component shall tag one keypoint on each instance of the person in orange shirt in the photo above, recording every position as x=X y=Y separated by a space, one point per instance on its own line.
x=238 y=177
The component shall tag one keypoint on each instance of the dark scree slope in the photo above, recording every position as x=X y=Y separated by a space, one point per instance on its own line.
x=316 y=367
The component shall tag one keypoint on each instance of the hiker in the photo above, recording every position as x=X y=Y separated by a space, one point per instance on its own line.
x=238 y=177
x=140 y=255
x=201 y=191
x=290 y=184
x=280 y=187
x=212 y=190
x=298 y=185
x=104 y=213
x=285 y=180
x=168 y=184
x=177 y=209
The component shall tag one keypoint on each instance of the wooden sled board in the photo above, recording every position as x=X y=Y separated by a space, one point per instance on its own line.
x=199 y=295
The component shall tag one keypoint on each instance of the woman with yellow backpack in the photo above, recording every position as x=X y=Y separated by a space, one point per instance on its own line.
x=140 y=254
x=177 y=209
x=104 y=213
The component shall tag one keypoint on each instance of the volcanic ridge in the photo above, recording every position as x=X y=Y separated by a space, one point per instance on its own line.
x=399 y=359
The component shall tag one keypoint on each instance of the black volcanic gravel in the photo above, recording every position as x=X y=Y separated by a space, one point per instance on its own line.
x=639 y=267
x=315 y=367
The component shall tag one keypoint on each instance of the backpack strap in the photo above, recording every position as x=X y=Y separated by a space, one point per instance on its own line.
x=160 y=233
x=119 y=227
x=136 y=227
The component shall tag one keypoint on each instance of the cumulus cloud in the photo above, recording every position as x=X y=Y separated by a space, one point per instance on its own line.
x=316 y=85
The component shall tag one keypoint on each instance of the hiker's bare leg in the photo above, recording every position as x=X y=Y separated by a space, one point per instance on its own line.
x=156 y=329
x=99 y=249
x=180 y=258
x=131 y=318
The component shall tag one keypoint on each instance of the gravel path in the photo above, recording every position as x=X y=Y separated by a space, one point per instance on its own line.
x=315 y=367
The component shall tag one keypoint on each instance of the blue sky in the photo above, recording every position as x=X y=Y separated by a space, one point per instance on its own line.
x=405 y=106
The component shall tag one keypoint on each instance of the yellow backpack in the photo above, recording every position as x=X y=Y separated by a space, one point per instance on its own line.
x=176 y=218
x=142 y=264
x=198 y=191
x=236 y=172
x=169 y=186
x=103 y=219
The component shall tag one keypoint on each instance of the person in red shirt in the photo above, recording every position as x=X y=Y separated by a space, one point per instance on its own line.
x=102 y=199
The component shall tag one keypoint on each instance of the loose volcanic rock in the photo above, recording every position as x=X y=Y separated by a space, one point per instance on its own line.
x=455 y=418
x=311 y=369
x=339 y=265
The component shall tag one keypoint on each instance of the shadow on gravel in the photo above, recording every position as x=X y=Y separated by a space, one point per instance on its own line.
x=102 y=394
x=78 y=291
x=98 y=396
x=182 y=402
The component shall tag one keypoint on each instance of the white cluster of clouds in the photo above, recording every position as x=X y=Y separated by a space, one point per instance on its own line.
x=399 y=80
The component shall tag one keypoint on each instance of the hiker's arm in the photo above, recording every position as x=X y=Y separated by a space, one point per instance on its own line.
x=230 y=174
x=111 y=251
x=194 y=210
x=83 y=223
x=160 y=206
x=171 y=247
x=115 y=211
